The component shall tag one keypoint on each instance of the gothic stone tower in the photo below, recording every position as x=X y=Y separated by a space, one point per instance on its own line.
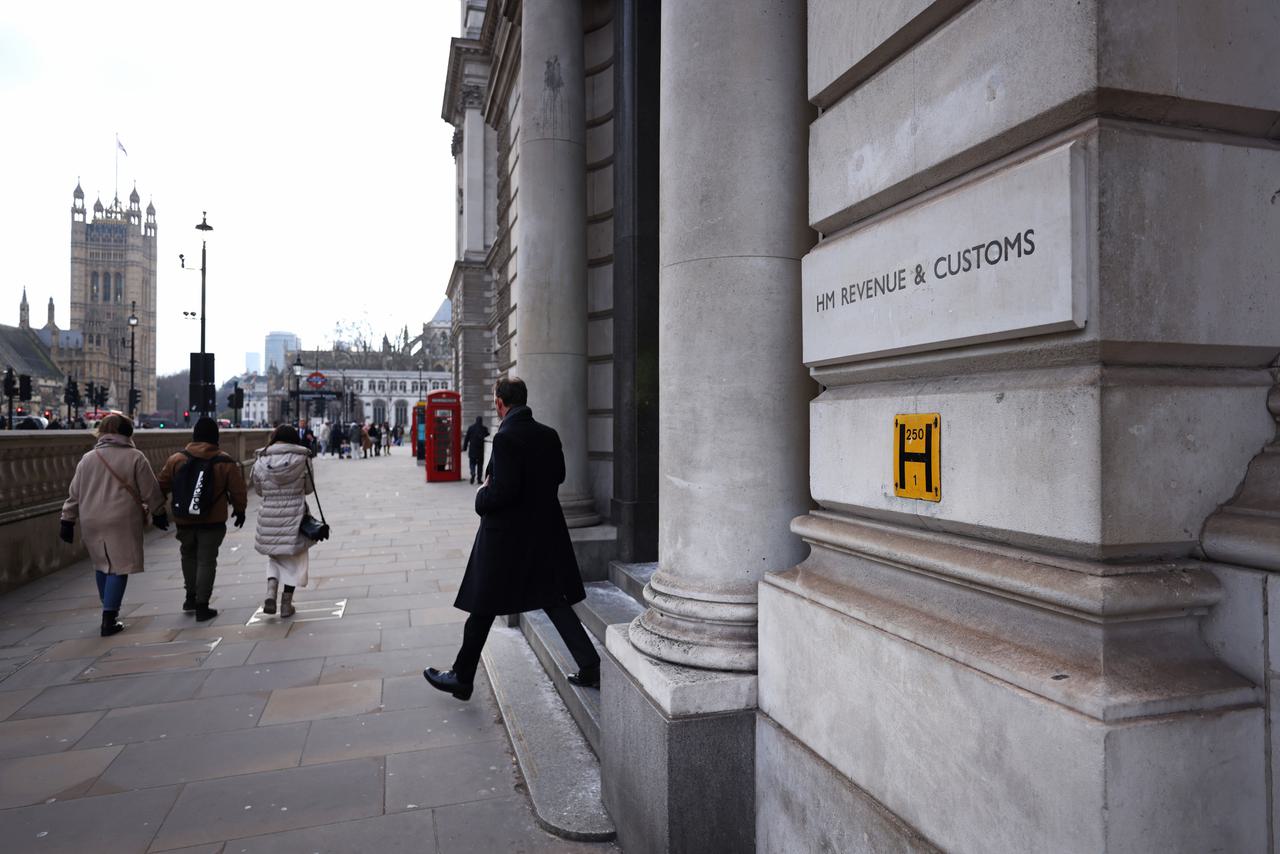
x=113 y=266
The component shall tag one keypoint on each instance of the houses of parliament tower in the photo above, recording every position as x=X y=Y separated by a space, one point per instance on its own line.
x=113 y=271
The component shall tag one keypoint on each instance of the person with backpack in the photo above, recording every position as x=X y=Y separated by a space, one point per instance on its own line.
x=203 y=481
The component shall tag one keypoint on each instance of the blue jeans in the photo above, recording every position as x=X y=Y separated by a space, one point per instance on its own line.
x=111 y=589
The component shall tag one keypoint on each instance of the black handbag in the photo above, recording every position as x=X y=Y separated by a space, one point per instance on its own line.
x=316 y=530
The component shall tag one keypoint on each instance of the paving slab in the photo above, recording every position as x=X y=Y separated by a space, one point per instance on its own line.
x=404 y=731
x=76 y=826
x=29 y=780
x=272 y=801
x=207 y=756
x=115 y=693
x=376 y=665
x=405 y=833
x=11 y=701
x=43 y=675
x=344 y=643
x=476 y=771
x=54 y=734
x=168 y=720
x=262 y=677
x=316 y=702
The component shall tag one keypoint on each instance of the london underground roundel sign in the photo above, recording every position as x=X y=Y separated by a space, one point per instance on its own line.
x=315 y=379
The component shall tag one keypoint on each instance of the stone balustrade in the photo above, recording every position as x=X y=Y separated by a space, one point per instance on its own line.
x=35 y=470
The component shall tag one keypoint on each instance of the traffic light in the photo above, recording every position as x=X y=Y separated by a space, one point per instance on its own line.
x=91 y=393
x=10 y=383
x=319 y=408
x=68 y=397
x=135 y=399
x=239 y=396
x=24 y=387
x=186 y=415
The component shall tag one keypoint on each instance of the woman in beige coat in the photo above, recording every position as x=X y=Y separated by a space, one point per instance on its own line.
x=111 y=495
x=280 y=477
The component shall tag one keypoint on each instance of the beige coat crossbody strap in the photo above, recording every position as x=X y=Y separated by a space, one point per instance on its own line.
x=133 y=493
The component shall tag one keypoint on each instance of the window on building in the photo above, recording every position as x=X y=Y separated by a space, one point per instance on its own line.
x=402 y=412
x=119 y=288
x=382 y=385
x=359 y=386
x=93 y=286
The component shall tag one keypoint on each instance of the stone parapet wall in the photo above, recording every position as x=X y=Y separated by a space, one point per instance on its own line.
x=35 y=471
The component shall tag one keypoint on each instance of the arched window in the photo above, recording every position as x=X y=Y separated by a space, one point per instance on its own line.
x=379 y=411
x=382 y=385
x=93 y=286
x=359 y=386
x=413 y=386
x=119 y=288
x=402 y=412
x=106 y=287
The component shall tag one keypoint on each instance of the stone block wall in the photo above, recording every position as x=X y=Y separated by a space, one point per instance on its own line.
x=1039 y=659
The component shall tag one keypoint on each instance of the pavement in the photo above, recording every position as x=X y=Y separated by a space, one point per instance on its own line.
x=253 y=733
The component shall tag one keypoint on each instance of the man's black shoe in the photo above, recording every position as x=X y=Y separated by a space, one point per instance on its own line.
x=204 y=612
x=586 y=678
x=188 y=605
x=448 y=682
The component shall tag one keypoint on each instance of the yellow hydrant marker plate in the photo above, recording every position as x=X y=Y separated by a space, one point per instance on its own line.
x=917 y=456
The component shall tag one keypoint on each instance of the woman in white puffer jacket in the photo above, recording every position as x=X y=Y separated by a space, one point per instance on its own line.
x=280 y=477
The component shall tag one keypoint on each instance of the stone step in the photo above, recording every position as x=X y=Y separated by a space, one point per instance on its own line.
x=606 y=605
x=559 y=767
x=583 y=704
x=632 y=577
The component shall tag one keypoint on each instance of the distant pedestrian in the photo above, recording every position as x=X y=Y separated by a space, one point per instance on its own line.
x=325 y=433
x=205 y=483
x=522 y=558
x=366 y=443
x=280 y=477
x=473 y=444
x=386 y=438
x=335 y=440
x=111 y=494
x=375 y=438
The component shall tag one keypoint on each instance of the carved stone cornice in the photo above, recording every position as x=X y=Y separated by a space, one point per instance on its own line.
x=457 y=97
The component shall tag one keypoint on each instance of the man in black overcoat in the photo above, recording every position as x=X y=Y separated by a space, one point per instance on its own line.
x=522 y=559
x=473 y=444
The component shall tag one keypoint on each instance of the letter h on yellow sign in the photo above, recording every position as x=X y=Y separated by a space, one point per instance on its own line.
x=917 y=456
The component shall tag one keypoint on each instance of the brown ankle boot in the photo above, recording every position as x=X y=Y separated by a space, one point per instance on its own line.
x=269 y=605
x=286 y=602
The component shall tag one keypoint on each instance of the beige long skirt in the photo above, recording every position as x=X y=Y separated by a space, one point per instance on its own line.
x=290 y=569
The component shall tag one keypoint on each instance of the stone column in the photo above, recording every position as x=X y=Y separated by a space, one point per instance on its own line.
x=551 y=254
x=678 y=690
x=733 y=428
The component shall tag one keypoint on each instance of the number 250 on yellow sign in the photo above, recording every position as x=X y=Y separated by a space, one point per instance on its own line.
x=917 y=456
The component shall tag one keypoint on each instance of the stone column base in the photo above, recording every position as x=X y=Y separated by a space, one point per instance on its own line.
x=678 y=753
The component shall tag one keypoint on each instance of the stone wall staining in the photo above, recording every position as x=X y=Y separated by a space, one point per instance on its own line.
x=1037 y=661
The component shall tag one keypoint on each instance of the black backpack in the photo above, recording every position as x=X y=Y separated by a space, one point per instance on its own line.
x=193 y=496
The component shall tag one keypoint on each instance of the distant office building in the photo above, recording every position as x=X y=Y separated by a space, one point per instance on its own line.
x=279 y=343
x=252 y=363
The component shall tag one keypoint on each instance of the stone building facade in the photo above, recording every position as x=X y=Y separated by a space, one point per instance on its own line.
x=113 y=273
x=930 y=348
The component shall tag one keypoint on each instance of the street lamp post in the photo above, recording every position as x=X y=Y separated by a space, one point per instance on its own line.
x=297 y=390
x=421 y=396
x=133 y=330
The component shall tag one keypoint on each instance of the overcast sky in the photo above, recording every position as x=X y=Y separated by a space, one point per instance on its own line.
x=310 y=132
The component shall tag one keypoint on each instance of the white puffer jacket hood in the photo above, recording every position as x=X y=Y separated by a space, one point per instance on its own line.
x=280 y=477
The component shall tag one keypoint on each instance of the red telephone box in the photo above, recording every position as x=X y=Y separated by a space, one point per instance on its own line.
x=444 y=436
x=418 y=433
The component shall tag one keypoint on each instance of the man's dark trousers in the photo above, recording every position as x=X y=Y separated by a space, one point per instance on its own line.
x=199 y=547
x=562 y=617
x=477 y=463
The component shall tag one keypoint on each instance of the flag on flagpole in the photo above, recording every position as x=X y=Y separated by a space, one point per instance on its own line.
x=120 y=145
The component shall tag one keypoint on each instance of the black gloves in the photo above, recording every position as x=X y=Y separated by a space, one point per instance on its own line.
x=68 y=531
x=239 y=517
x=161 y=521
